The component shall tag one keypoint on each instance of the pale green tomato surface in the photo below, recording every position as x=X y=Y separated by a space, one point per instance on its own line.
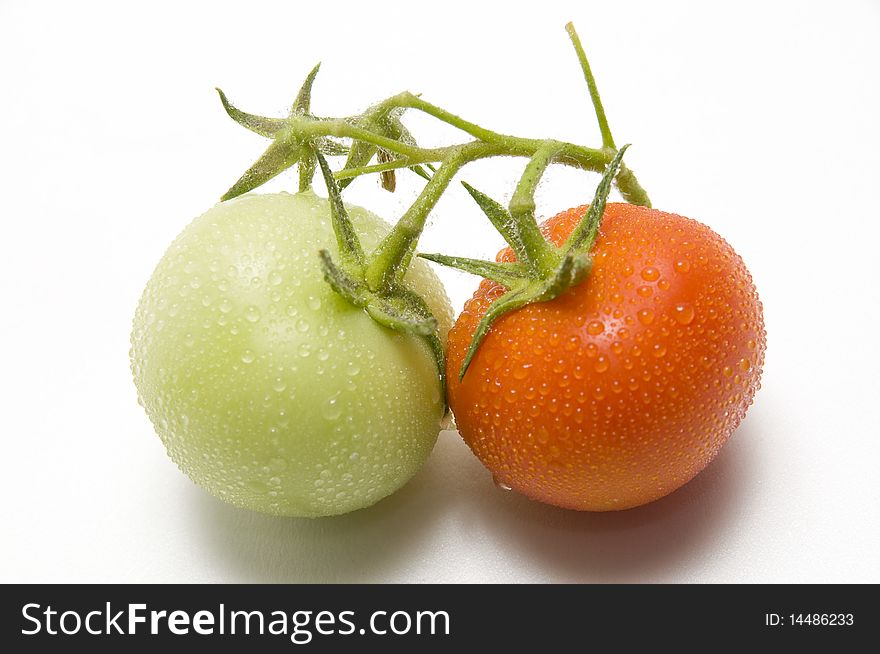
x=267 y=388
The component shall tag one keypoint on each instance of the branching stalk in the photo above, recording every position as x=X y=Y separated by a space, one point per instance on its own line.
x=375 y=281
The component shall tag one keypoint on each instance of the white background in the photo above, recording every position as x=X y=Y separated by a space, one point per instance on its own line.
x=758 y=118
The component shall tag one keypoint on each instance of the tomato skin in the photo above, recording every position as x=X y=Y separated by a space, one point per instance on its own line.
x=268 y=389
x=623 y=388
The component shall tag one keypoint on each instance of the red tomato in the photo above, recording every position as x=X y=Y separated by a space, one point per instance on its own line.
x=623 y=388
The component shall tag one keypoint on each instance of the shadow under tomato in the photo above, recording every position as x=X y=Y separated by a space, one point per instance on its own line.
x=451 y=524
x=352 y=548
x=657 y=542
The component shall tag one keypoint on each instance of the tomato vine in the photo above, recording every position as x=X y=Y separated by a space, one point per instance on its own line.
x=373 y=280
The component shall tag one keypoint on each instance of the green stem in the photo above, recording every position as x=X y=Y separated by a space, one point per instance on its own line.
x=343 y=129
x=392 y=256
x=630 y=189
x=607 y=139
x=350 y=250
x=306 y=170
x=522 y=209
x=492 y=144
x=582 y=237
x=412 y=101
x=300 y=128
x=397 y=164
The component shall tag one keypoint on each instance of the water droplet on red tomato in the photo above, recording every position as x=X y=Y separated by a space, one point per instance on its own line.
x=683 y=313
x=650 y=274
x=500 y=485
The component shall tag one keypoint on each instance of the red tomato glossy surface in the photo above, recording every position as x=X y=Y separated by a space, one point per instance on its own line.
x=625 y=387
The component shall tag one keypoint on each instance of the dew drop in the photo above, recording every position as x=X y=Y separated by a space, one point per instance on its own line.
x=646 y=316
x=247 y=356
x=332 y=409
x=650 y=274
x=683 y=314
x=601 y=364
x=252 y=314
x=682 y=266
x=521 y=371
x=595 y=327
x=500 y=485
x=277 y=465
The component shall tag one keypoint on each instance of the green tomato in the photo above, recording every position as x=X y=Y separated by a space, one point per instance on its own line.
x=267 y=388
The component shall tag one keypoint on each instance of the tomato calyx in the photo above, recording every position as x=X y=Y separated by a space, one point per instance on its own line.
x=374 y=282
x=387 y=300
x=542 y=271
x=392 y=304
x=289 y=145
x=297 y=139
